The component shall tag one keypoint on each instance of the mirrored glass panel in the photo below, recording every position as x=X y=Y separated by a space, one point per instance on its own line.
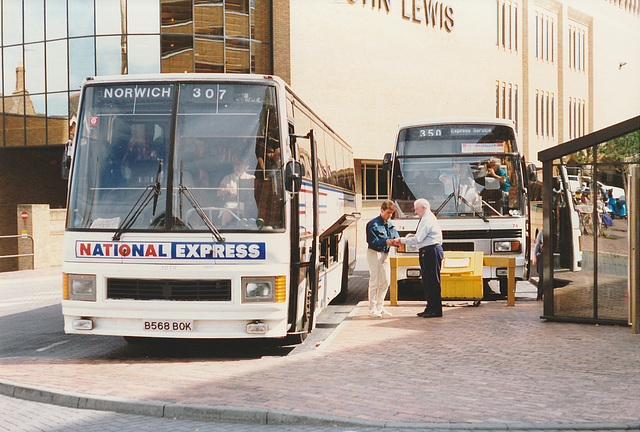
x=238 y=59
x=12 y=59
x=58 y=104
x=209 y=52
x=109 y=55
x=143 y=54
x=209 y=17
x=177 y=53
x=11 y=22
x=81 y=18
x=177 y=17
x=34 y=68
x=38 y=102
x=57 y=72
x=37 y=124
x=81 y=61
x=56 y=19
x=143 y=16
x=33 y=20
x=111 y=17
x=57 y=118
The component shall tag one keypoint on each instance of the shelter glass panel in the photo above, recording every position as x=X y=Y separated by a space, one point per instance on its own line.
x=613 y=247
x=571 y=222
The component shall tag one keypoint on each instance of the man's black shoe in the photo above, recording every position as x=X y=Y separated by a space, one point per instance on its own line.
x=423 y=313
x=431 y=315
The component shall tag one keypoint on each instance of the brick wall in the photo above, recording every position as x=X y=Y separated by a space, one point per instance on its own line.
x=27 y=176
x=282 y=40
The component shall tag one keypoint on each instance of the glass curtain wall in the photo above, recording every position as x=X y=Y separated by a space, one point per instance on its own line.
x=216 y=36
x=48 y=47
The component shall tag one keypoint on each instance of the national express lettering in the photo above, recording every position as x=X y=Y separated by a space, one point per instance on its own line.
x=173 y=250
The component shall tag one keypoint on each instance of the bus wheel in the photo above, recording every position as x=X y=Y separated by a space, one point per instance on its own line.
x=504 y=286
x=295 y=339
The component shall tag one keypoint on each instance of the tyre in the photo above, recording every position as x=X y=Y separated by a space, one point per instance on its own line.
x=504 y=286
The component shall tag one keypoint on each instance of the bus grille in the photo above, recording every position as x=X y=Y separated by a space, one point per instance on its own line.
x=459 y=247
x=178 y=290
x=515 y=233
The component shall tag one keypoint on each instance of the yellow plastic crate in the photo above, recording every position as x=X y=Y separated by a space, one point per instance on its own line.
x=461 y=275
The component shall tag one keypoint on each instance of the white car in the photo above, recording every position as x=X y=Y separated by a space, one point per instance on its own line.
x=616 y=192
x=574 y=183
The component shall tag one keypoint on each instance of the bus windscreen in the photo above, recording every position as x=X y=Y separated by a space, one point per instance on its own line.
x=463 y=170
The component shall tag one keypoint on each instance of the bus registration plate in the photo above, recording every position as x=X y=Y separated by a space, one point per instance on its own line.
x=168 y=326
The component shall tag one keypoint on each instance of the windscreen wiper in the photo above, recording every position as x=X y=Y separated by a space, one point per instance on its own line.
x=152 y=192
x=457 y=198
x=198 y=208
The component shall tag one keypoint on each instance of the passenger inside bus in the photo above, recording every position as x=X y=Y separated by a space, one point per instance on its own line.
x=459 y=182
x=497 y=178
x=236 y=189
x=268 y=195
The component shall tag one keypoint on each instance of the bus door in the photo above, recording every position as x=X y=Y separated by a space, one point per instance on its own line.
x=304 y=237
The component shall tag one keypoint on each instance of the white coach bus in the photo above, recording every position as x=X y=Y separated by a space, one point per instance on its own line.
x=204 y=206
x=475 y=178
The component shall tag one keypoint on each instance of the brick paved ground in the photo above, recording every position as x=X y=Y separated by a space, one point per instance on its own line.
x=490 y=363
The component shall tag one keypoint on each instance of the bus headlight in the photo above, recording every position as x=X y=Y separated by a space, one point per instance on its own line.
x=82 y=287
x=506 y=246
x=258 y=289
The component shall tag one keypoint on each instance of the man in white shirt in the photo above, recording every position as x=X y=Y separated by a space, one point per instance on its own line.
x=428 y=240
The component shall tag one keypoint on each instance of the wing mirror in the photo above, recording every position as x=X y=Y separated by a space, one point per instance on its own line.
x=293 y=173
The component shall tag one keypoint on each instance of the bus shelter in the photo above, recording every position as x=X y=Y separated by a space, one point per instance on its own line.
x=600 y=170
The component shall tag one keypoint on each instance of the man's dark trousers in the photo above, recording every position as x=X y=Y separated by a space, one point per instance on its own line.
x=430 y=261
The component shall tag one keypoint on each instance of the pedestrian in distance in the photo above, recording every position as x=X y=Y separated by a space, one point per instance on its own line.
x=428 y=240
x=536 y=260
x=380 y=235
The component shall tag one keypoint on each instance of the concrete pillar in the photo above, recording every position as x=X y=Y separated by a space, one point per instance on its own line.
x=34 y=220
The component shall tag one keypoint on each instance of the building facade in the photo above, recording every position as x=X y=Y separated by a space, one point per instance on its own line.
x=558 y=68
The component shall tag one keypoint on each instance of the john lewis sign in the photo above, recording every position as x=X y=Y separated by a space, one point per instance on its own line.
x=431 y=13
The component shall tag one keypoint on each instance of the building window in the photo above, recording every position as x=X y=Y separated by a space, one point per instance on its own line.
x=375 y=182
x=507 y=25
x=577 y=48
x=507 y=101
x=545 y=46
x=545 y=114
x=577 y=118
